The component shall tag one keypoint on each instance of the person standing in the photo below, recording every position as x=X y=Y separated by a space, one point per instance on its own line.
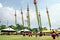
x=53 y=35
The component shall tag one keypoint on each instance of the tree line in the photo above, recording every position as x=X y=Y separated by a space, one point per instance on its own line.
x=20 y=27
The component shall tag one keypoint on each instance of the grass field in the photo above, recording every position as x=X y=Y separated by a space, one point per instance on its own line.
x=20 y=37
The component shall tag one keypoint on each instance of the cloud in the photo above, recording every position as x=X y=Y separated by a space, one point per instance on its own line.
x=6 y=15
x=1 y=5
x=54 y=12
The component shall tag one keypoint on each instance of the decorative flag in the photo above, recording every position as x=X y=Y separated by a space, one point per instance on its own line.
x=22 y=18
x=48 y=17
x=28 y=16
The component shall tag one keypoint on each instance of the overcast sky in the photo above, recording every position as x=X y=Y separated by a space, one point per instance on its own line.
x=7 y=8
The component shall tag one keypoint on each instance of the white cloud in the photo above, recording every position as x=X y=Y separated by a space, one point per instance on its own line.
x=7 y=14
x=1 y=5
x=54 y=12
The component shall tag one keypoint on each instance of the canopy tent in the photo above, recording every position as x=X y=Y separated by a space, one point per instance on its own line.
x=23 y=30
x=8 y=31
x=46 y=31
x=26 y=30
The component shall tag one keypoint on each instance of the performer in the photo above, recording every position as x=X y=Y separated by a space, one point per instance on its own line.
x=30 y=34
x=23 y=33
x=53 y=35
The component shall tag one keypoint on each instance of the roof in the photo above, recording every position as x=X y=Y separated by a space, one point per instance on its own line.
x=24 y=30
x=46 y=31
x=8 y=29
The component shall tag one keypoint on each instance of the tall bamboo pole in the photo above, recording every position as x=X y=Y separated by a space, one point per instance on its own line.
x=48 y=17
x=22 y=18
x=28 y=16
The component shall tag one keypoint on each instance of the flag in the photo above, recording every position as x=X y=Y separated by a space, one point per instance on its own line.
x=48 y=17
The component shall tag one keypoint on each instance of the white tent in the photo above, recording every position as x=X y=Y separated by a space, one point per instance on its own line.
x=23 y=30
x=8 y=29
x=26 y=30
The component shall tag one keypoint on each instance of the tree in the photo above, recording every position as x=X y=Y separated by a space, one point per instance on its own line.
x=13 y=27
x=59 y=28
x=2 y=27
x=34 y=30
x=19 y=27
x=25 y=27
x=44 y=28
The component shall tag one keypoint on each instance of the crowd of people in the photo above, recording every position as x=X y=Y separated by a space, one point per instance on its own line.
x=54 y=33
x=29 y=34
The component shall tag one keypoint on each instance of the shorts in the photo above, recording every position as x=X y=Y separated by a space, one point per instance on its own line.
x=53 y=37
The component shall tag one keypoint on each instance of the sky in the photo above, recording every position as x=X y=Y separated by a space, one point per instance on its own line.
x=8 y=7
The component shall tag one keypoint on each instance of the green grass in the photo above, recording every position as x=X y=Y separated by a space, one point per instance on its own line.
x=20 y=37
